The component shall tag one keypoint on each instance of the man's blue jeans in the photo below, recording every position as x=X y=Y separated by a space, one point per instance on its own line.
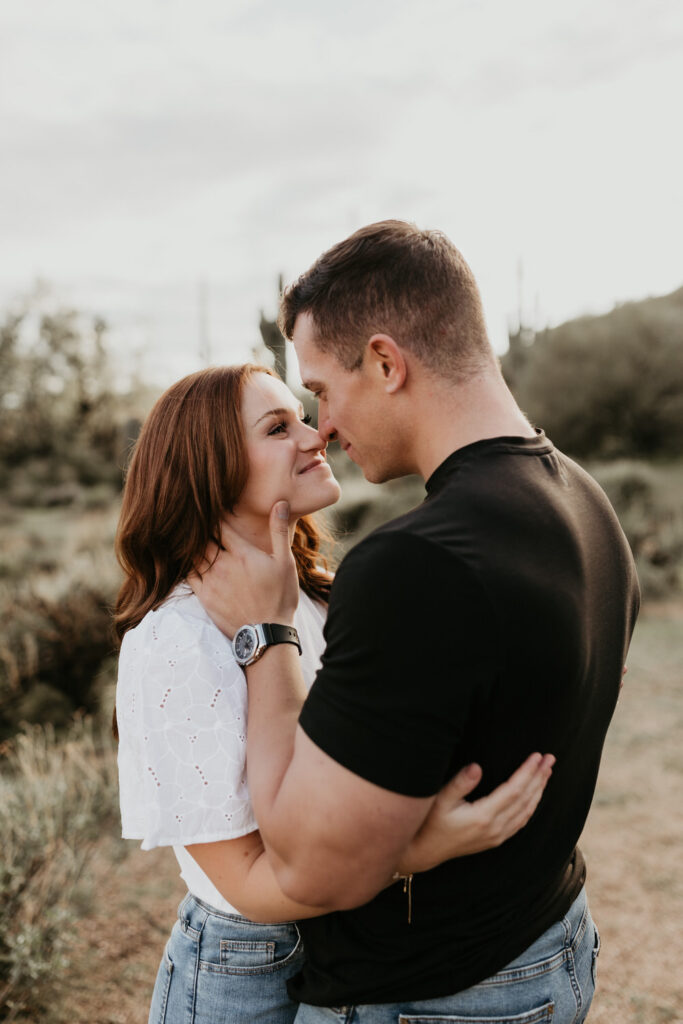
x=552 y=981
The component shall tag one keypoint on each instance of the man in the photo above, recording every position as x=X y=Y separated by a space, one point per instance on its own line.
x=492 y=620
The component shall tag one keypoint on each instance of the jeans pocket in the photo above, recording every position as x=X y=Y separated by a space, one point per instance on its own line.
x=247 y=953
x=254 y=956
x=596 y=954
x=539 y=1015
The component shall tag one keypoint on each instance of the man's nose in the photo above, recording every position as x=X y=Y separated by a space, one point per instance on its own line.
x=325 y=424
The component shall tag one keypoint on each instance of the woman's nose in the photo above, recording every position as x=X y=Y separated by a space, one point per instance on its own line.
x=313 y=440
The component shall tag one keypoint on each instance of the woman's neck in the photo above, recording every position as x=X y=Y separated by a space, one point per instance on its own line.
x=256 y=530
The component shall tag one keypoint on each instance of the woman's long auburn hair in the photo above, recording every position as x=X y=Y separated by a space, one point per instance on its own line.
x=188 y=469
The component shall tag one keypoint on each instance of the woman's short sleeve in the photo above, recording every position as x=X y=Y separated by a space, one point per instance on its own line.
x=182 y=715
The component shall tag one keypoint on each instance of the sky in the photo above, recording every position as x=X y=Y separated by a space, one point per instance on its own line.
x=162 y=163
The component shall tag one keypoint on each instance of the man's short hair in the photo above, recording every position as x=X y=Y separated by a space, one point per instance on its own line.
x=392 y=278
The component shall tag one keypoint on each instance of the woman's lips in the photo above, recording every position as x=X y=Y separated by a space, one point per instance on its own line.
x=316 y=464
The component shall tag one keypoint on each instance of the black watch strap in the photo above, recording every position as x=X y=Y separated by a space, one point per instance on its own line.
x=274 y=633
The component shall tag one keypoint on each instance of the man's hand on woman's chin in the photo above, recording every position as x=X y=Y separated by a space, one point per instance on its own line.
x=240 y=583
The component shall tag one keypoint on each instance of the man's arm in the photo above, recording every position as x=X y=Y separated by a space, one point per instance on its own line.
x=243 y=874
x=334 y=837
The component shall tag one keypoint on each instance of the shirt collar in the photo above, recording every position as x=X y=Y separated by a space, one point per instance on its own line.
x=538 y=445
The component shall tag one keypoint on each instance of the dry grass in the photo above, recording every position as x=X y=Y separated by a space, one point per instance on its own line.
x=58 y=579
x=54 y=796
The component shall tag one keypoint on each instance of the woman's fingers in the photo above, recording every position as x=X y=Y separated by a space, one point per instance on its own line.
x=621 y=681
x=455 y=791
x=512 y=803
x=456 y=827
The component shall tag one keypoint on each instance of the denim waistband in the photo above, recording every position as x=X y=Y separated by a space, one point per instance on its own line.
x=194 y=915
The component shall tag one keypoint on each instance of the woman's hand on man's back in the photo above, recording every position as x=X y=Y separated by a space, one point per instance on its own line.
x=456 y=827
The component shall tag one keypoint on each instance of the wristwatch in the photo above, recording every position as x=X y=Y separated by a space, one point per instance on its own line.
x=251 y=641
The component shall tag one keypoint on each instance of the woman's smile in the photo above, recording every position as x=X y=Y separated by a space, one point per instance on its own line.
x=318 y=463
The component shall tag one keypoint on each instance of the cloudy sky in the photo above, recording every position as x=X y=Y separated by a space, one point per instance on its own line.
x=150 y=146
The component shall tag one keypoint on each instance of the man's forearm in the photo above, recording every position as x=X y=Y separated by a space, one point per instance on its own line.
x=329 y=844
x=276 y=694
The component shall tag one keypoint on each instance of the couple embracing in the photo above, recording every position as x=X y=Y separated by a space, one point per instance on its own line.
x=392 y=807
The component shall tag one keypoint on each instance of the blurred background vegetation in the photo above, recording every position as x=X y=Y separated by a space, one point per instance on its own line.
x=608 y=390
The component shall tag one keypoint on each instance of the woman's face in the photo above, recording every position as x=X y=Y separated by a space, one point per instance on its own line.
x=286 y=455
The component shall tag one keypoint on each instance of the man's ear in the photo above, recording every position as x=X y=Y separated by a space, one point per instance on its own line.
x=386 y=359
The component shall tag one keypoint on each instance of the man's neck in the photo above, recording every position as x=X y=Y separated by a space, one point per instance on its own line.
x=451 y=418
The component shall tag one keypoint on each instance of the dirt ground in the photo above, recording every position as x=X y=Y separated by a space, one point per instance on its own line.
x=633 y=841
x=632 y=844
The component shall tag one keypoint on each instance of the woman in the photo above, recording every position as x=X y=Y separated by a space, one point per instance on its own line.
x=221 y=444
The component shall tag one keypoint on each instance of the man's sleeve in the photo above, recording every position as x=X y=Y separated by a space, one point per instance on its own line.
x=410 y=651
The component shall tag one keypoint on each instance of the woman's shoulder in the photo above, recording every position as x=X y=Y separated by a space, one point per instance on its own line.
x=180 y=618
x=175 y=656
x=176 y=638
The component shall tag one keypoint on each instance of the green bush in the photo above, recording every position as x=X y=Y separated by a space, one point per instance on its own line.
x=606 y=387
x=62 y=424
x=50 y=655
x=647 y=500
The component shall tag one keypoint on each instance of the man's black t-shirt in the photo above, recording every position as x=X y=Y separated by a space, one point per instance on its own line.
x=491 y=621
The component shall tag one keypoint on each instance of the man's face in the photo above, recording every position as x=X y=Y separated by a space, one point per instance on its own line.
x=353 y=407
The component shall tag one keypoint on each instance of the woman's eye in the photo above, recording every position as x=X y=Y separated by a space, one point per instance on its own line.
x=281 y=427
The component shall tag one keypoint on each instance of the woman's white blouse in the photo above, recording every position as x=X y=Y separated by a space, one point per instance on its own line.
x=181 y=706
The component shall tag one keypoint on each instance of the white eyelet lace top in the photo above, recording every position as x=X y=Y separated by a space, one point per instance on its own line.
x=181 y=706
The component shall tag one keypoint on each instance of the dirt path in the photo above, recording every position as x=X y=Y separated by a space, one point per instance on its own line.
x=634 y=837
x=633 y=846
x=115 y=956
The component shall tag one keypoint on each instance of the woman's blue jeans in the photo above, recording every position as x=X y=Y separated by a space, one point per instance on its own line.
x=552 y=981
x=222 y=969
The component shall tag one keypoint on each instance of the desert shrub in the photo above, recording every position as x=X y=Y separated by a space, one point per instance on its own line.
x=54 y=797
x=50 y=653
x=651 y=516
x=62 y=423
x=608 y=386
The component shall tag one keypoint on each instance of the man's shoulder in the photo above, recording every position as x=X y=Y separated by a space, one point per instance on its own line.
x=404 y=555
x=402 y=535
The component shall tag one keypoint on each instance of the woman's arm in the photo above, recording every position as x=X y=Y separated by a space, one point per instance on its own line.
x=242 y=873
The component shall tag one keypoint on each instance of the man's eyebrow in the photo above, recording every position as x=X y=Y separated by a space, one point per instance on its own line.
x=312 y=385
x=277 y=412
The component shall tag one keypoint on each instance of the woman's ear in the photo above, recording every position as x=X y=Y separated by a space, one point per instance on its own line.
x=385 y=358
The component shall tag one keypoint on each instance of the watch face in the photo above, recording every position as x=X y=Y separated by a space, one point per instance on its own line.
x=245 y=644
